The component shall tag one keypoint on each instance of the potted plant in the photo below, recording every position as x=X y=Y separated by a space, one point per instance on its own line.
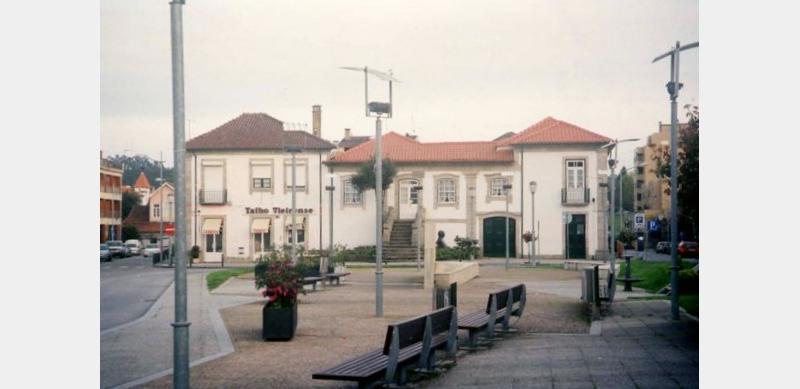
x=194 y=253
x=278 y=281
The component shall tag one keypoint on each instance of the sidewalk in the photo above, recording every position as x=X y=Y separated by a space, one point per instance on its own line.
x=142 y=350
x=639 y=347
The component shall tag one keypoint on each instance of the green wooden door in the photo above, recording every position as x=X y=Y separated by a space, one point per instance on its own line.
x=576 y=233
x=494 y=237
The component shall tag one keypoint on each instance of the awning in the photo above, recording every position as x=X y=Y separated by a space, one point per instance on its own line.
x=212 y=226
x=260 y=226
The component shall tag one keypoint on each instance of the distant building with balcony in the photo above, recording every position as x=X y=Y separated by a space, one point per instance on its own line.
x=110 y=200
x=649 y=190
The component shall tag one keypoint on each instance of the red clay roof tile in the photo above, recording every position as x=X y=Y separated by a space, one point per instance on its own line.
x=255 y=131
x=554 y=131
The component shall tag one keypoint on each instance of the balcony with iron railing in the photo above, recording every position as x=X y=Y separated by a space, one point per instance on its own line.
x=110 y=214
x=213 y=197
x=574 y=196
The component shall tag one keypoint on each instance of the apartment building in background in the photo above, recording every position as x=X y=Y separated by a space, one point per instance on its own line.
x=110 y=200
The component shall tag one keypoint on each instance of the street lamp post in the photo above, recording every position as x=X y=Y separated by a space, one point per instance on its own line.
x=161 y=207
x=507 y=188
x=377 y=109
x=673 y=87
x=294 y=150
x=330 y=188
x=418 y=190
x=612 y=163
x=180 y=351
x=533 y=221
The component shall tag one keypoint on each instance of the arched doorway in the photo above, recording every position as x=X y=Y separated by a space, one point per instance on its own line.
x=494 y=237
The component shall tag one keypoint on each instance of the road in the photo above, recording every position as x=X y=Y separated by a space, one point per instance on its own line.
x=128 y=287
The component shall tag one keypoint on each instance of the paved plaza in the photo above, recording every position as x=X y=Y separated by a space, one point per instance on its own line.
x=636 y=345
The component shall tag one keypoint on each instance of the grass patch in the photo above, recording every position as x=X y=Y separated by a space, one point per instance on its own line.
x=691 y=303
x=215 y=279
x=655 y=275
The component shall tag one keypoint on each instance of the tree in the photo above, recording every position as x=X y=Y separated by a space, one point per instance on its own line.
x=130 y=231
x=688 y=172
x=129 y=200
x=141 y=163
x=364 y=180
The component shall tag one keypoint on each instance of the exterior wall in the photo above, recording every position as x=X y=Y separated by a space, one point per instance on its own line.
x=167 y=207
x=110 y=202
x=354 y=223
x=654 y=202
x=237 y=221
x=546 y=166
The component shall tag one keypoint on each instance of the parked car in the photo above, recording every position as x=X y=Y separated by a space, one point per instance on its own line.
x=689 y=249
x=118 y=249
x=150 y=249
x=662 y=247
x=105 y=253
x=134 y=246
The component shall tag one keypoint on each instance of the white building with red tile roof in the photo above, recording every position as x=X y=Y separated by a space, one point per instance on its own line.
x=240 y=192
x=143 y=188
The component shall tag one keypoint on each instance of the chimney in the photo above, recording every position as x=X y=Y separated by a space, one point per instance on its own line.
x=347 y=133
x=316 y=118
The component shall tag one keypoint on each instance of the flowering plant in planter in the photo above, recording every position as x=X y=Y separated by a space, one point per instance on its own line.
x=279 y=281
x=527 y=236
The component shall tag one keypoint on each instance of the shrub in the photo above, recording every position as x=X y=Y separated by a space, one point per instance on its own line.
x=465 y=248
x=356 y=254
x=447 y=253
x=278 y=280
x=688 y=282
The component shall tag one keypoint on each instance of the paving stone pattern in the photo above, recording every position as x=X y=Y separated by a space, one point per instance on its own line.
x=640 y=347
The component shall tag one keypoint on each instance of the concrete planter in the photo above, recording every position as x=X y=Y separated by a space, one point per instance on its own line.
x=278 y=323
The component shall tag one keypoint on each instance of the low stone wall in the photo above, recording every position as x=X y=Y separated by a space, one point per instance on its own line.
x=448 y=272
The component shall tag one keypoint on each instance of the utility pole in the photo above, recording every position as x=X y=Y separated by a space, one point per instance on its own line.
x=330 y=190
x=180 y=352
x=294 y=150
x=378 y=219
x=673 y=88
x=161 y=206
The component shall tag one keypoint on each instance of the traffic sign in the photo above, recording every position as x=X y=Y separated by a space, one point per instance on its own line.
x=638 y=222
x=169 y=229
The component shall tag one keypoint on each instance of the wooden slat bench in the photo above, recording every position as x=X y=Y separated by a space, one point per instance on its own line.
x=334 y=276
x=312 y=281
x=500 y=307
x=408 y=343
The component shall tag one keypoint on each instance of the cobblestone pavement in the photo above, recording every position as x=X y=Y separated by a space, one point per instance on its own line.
x=336 y=323
x=640 y=347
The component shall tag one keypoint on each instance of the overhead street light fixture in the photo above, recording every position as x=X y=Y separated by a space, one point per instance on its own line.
x=674 y=72
x=378 y=109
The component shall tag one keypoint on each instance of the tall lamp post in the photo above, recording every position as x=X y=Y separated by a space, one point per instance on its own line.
x=330 y=188
x=418 y=189
x=507 y=189
x=294 y=150
x=533 y=221
x=612 y=163
x=673 y=87
x=180 y=351
x=376 y=109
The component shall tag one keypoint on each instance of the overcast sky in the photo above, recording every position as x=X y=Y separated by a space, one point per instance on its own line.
x=470 y=70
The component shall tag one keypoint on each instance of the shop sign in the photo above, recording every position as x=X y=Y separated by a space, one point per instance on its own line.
x=276 y=210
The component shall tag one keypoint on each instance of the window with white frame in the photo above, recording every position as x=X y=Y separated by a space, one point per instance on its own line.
x=351 y=195
x=156 y=210
x=575 y=174
x=300 y=174
x=447 y=191
x=497 y=184
x=261 y=175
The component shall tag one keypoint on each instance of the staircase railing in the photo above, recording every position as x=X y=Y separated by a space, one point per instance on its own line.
x=388 y=223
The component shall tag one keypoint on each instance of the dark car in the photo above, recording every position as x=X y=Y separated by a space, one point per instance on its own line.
x=688 y=249
x=662 y=247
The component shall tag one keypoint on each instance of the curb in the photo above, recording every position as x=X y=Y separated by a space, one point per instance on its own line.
x=220 y=332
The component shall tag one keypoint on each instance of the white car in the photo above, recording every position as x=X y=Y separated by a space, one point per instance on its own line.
x=150 y=249
x=134 y=246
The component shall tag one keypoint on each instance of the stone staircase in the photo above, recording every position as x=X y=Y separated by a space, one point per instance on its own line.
x=399 y=247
